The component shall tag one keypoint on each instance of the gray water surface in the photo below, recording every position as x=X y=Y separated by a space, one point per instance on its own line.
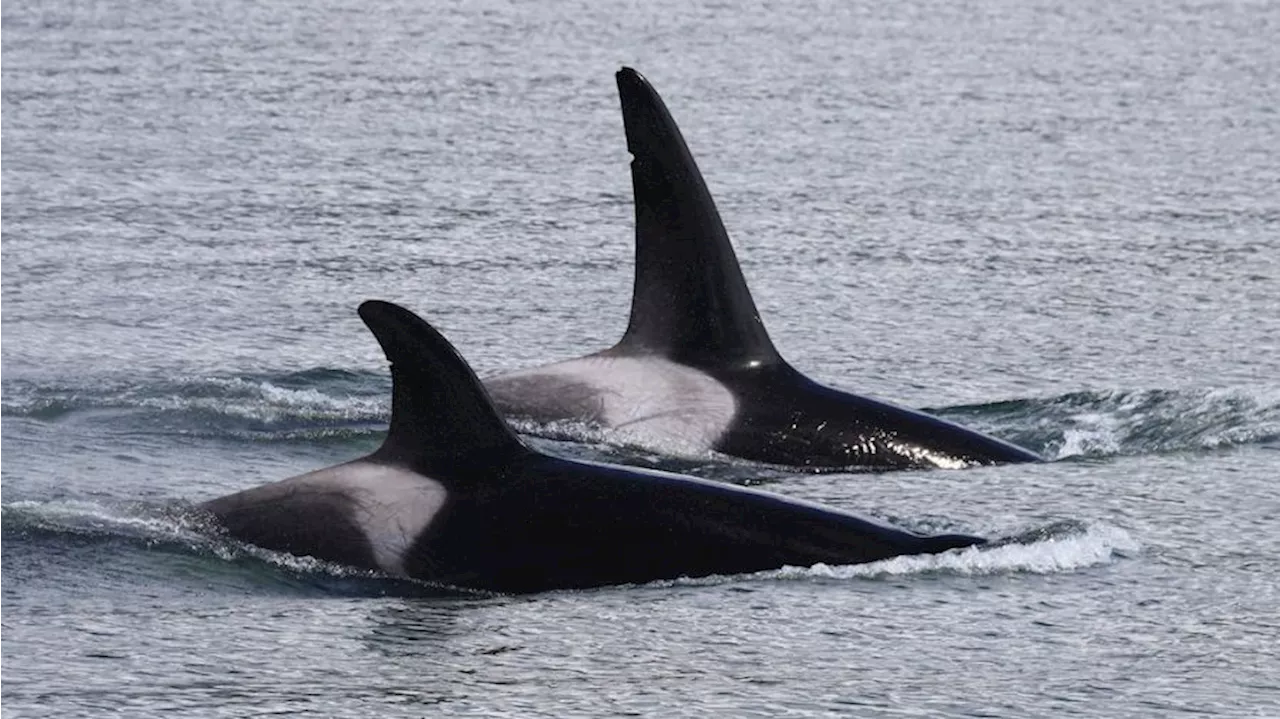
x=1056 y=222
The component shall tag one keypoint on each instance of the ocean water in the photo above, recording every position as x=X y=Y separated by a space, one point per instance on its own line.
x=1058 y=222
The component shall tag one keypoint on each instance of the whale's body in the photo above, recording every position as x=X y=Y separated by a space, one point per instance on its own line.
x=696 y=370
x=454 y=497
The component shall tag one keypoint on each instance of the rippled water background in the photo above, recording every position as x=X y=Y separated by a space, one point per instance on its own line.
x=1056 y=221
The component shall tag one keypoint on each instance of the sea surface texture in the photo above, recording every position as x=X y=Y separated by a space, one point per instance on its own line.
x=1055 y=221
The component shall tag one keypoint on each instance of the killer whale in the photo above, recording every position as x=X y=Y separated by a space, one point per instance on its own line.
x=695 y=369
x=454 y=497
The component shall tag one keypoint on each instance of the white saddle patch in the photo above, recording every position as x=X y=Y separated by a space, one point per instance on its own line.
x=392 y=505
x=652 y=401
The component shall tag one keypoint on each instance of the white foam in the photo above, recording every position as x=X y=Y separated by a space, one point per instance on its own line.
x=265 y=402
x=290 y=562
x=1094 y=434
x=1098 y=545
x=87 y=517
x=1156 y=420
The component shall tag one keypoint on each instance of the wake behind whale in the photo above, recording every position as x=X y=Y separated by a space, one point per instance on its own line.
x=171 y=544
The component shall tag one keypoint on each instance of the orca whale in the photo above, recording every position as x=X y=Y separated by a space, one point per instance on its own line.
x=695 y=370
x=454 y=497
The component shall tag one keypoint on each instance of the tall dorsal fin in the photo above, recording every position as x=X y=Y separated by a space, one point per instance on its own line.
x=691 y=302
x=439 y=409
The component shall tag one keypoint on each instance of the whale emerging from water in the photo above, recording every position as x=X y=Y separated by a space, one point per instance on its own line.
x=695 y=369
x=454 y=497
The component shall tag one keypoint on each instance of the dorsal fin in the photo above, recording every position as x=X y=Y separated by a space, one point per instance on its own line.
x=691 y=302
x=439 y=409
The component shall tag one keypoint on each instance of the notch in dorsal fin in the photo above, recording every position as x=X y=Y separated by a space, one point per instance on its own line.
x=439 y=409
x=691 y=302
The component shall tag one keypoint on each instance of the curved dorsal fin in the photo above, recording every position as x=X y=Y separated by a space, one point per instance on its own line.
x=691 y=302
x=439 y=409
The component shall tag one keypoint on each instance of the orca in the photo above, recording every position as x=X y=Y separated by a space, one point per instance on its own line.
x=696 y=370
x=454 y=497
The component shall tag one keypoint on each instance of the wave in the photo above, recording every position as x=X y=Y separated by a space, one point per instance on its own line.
x=314 y=404
x=1131 y=422
x=323 y=404
x=30 y=526
x=173 y=524
x=178 y=527
x=1091 y=424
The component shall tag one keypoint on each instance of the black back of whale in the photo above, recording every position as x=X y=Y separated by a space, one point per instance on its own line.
x=514 y=520
x=691 y=305
x=789 y=419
